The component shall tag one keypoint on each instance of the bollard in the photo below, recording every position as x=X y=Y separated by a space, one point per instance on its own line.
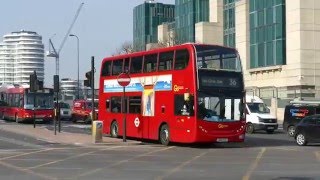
x=97 y=131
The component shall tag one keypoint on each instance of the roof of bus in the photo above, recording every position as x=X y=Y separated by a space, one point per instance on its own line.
x=161 y=49
x=10 y=88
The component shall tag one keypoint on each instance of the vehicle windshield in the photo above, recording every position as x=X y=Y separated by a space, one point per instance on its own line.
x=258 y=108
x=219 y=108
x=64 y=105
x=217 y=58
x=42 y=101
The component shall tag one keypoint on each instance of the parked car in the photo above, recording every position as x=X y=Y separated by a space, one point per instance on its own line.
x=296 y=111
x=82 y=110
x=258 y=116
x=308 y=130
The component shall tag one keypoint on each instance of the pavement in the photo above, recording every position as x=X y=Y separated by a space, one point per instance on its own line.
x=79 y=139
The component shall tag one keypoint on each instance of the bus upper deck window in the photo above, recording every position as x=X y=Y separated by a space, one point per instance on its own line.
x=181 y=59
x=165 y=61
x=150 y=63
x=136 y=65
x=117 y=67
x=106 y=68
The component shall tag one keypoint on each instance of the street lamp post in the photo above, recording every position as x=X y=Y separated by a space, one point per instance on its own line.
x=78 y=93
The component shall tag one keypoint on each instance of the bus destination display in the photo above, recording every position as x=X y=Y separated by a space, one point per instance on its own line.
x=228 y=82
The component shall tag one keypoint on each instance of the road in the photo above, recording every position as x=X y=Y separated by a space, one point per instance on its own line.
x=262 y=156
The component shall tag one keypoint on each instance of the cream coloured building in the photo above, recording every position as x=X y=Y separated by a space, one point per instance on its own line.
x=278 y=41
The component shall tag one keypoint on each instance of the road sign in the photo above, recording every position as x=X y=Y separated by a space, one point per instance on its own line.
x=124 y=79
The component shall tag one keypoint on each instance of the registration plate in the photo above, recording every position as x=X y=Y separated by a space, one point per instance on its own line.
x=38 y=120
x=222 y=140
x=270 y=127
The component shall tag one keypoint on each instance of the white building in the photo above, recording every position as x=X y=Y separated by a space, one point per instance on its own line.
x=21 y=53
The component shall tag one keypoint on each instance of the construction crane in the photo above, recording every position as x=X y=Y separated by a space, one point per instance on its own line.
x=55 y=52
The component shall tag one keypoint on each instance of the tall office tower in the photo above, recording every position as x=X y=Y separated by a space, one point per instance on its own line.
x=146 y=18
x=187 y=14
x=21 y=53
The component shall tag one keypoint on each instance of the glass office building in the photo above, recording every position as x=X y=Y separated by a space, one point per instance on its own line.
x=267 y=33
x=146 y=18
x=188 y=13
x=229 y=34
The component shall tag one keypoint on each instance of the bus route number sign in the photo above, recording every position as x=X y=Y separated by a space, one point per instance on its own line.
x=123 y=79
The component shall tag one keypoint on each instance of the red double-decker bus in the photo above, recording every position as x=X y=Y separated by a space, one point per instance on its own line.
x=25 y=106
x=186 y=93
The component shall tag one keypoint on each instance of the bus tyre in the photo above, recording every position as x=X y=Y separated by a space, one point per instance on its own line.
x=87 y=120
x=249 y=128
x=114 y=129
x=164 y=135
x=73 y=119
x=291 y=131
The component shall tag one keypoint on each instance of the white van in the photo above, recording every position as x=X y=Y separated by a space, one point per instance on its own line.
x=258 y=116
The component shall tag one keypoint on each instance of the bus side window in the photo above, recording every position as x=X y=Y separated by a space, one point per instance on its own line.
x=106 y=68
x=183 y=107
x=165 y=61
x=108 y=105
x=135 y=104
x=150 y=63
x=181 y=59
x=136 y=65
x=117 y=67
x=116 y=104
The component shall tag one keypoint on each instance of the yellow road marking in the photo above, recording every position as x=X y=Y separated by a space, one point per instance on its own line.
x=24 y=154
x=176 y=169
x=120 y=162
x=26 y=171
x=254 y=165
x=71 y=157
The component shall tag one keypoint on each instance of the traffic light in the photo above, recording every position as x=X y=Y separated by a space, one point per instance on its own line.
x=33 y=82
x=87 y=82
x=56 y=83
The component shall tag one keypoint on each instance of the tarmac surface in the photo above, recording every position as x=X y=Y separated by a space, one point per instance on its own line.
x=46 y=133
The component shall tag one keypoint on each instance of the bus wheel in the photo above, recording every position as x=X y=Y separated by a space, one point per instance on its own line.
x=249 y=128
x=164 y=135
x=114 y=129
x=87 y=120
x=291 y=131
x=73 y=119
x=2 y=115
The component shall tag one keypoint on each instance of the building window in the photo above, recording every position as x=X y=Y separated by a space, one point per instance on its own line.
x=267 y=33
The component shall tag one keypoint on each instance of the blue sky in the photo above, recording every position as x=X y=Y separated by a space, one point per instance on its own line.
x=102 y=26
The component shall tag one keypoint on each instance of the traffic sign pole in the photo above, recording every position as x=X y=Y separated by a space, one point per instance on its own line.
x=124 y=80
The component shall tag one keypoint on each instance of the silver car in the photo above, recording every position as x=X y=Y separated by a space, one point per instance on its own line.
x=65 y=111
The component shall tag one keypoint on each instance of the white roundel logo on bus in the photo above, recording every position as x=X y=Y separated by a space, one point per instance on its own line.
x=136 y=122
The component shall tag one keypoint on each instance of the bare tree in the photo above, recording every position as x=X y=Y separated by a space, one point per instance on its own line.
x=125 y=48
